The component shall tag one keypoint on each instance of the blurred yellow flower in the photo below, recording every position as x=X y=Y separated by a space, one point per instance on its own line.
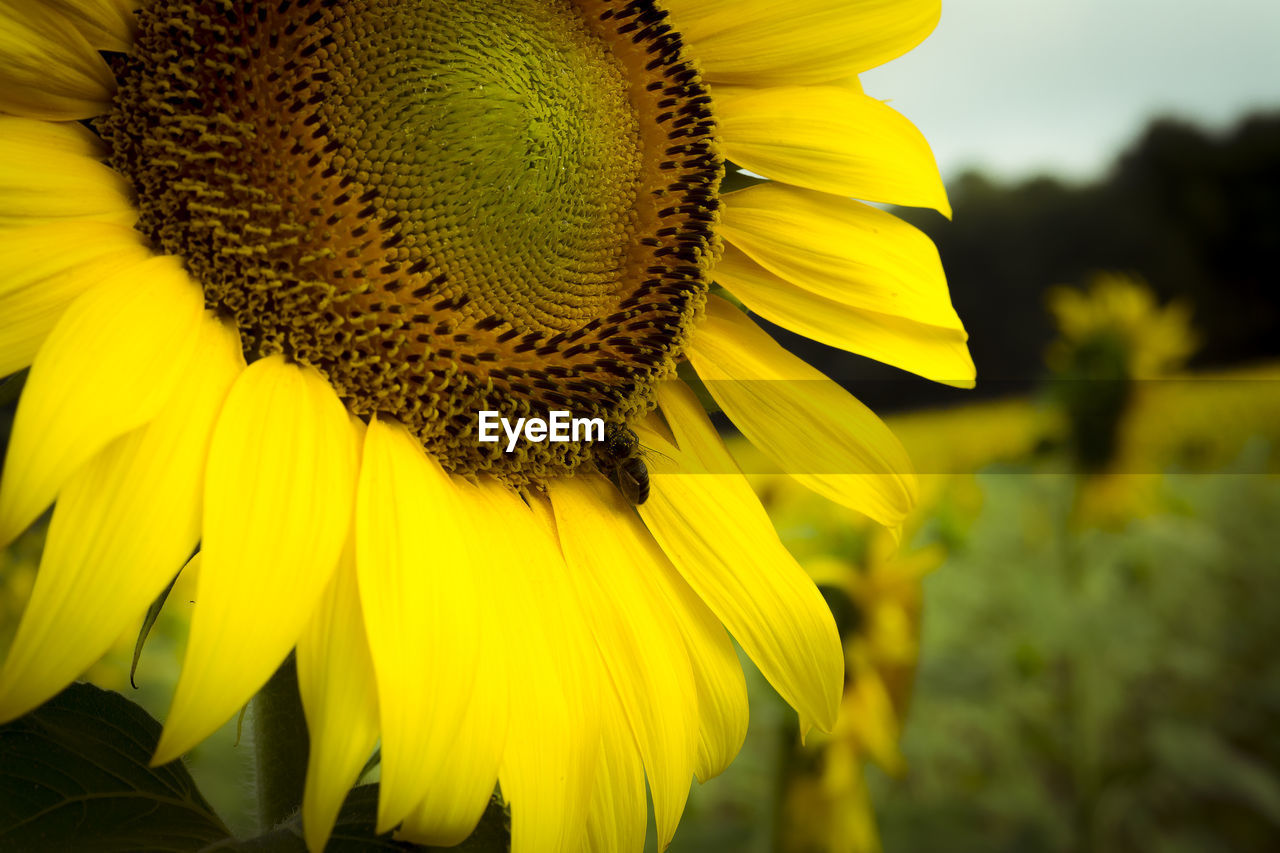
x=877 y=600
x=1114 y=341
x=1122 y=310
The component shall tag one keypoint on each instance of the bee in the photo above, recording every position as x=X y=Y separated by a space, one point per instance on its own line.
x=619 y=458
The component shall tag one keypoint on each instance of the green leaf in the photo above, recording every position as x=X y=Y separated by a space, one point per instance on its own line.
x=11 y=387
x=355 y=832
x=74 y=775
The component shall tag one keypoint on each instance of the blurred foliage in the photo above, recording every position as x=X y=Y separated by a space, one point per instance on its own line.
x=1095 y=654
x=1100 y=689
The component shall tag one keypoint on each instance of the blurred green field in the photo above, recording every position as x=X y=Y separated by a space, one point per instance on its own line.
x=1099 y=689
x=1097 y=666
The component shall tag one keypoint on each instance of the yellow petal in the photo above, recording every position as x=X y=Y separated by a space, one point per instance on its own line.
x=852 y=827
x=717 y=674
x=933 y=352
x=51 y=171
x=335 y=679
x=44 y=268
x=830 y=138
x=107 y=367
x=279 y=489
x=616 y=817
x=810 y=426
x=842 y=250
x=48 y=70
x=105 y=24
x=37 y=137
x=468 y=768
x=420 y=594
x=710 y=523
x=868 y=710
x=613 y=561
x=122 y=528
x=553 y=750
x=802 y=41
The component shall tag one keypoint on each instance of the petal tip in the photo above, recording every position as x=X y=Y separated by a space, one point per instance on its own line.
x=166 y=750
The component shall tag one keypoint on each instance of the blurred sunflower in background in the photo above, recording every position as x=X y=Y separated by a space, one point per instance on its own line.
x=1120 y=312
x=876 y=596
x=268 y=261
x=1114 y=340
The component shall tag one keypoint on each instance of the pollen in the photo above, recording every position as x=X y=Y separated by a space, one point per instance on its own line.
x=444 y=206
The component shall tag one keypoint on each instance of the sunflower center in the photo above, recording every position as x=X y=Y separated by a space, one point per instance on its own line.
x=502 y=134
x=445 y=206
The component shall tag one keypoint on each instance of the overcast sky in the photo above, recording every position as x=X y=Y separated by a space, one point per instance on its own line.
x=1023 y=86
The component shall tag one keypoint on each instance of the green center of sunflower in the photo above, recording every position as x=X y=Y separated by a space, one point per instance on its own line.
x=445 y=206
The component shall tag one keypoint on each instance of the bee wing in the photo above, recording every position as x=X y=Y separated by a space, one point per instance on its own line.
x=646 y=452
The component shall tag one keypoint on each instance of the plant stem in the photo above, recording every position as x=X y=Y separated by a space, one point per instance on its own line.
x=280 y=746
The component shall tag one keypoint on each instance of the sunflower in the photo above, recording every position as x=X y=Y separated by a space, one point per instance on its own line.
x=877 y=597
x=1119 y=314
x=269 y=261
x=1114 y=339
